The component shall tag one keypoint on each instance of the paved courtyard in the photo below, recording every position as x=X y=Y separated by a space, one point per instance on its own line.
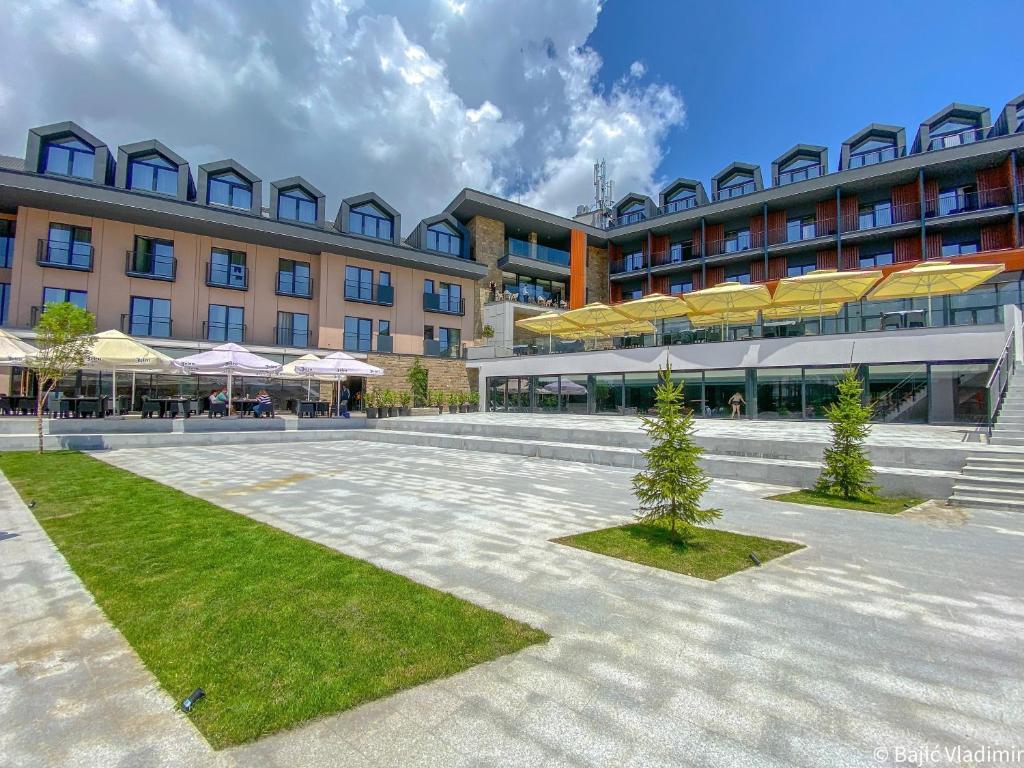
x=883 y=633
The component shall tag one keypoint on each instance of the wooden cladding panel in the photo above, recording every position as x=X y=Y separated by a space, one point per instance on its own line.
x=716 y=275
x=995 y=237
x=577 y=268
x=777 y=268
x=933 y=246
x=994 y=178
x=851 y=257
x=757 y=273
x=827 y=259
x=825 y=217
x=906 y=249
x=757 y=231
x=713 y=236
x=906 y=199
x=776 y=227
x=850 y=208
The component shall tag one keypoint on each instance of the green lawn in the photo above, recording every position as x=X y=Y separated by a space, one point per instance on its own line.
x=886 y=505
x=275 y=628
x=708 y=554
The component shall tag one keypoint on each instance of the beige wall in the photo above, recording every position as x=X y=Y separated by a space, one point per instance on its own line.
x=109 y=290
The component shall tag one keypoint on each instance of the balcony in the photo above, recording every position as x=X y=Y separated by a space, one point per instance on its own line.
x=674 y=256
x=224 y=332
x=434 y=348
x=146 y=325
x=873 y=156
x=367 y=293
x=150 y=266
x=444 y=304
x=799 y=174
x=232 y=276
x=535 y=260
x=633 y=217
x=682 y=204
x=964 y=201
x=737 y=243
x=290 y=284
x=356 y=342
x=735 y=190
x=385 y=343
x=947 y=140
x=286 y=336
x=628 y=264
x=62 y=255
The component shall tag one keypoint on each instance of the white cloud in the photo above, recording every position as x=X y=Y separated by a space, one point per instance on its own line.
x=413 y=102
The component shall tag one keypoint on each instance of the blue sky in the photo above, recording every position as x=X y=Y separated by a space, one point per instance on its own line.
x=757 y=78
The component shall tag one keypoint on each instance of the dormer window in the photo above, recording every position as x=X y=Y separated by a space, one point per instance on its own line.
x=229 y=189
x=1020 y=117
x=370 y=221
x=443 y=239
x=874 y=149
x=296 y=204
x=153 y=173
x=632 y=213
x=680 y=200
x=736 y=185
x=800 y=168
x=69 y=156
x=953 y=132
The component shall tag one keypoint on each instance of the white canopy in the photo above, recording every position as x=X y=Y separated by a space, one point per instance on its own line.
x=228 y=359
x=13 y=350
x=337 y=365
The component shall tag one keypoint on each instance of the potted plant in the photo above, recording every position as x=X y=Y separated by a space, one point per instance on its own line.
x=474 y=402
x=453 y=402
x=394 y=403
x=487 y=333
x=387 y=398
x=463 y=402
x=371 y=404
x=437 y=400
x=382 y=404
x=405 y=399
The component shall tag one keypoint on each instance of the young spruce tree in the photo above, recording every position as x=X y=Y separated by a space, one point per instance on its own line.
x=847 y=468
x=673 y=483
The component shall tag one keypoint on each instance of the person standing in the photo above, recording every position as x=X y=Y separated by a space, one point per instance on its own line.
x=345 y=396
x=736 y=401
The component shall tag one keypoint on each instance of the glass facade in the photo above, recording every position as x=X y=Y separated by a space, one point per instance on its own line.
x=231 y=190
x=69 y=246
x=150 y=317
x=444 y=239
x=957 y=393
x=69 y=157
x=370 y=221
x=153 y=173
x=779 y=393
x=533 y=289
x=225 y=323
x=153 y=257
x=358 y=334
x=296 y=204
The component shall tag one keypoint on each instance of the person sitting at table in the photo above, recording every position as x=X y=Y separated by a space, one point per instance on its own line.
x=263 y=404
x=218 y=397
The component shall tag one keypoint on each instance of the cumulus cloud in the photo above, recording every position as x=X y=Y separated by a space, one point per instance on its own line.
x=414 y=102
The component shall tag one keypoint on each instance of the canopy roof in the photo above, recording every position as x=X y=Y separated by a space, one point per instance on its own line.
x=337 y=364
x=115 y=350
x=728 y=299
x=934 y=278
x=549 y=322
x=13 y=349
x=228 y=358
x=655 y=306
x=595 y=314
x=826 y=286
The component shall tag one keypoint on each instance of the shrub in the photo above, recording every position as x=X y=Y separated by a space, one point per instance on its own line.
x=847 y=469
x=418 y=377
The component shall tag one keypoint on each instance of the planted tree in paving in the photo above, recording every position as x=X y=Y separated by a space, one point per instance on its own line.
x=417 y=378
x=847 y=470
x=673 y=483
x=64 y=335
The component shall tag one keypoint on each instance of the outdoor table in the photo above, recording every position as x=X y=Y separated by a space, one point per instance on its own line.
x=75 y=405
x=904 y=318
x=243 y=405
x=311 y=408
x=174 y=406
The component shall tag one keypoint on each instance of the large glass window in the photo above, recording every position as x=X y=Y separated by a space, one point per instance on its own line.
x=821 y=389
x=680 y=283
x=296 y=204
x=229 y=189
x=443 y=239
x=681 y=200
x=69 y=246
x=960 y=243
x=736 y=240
x=719 y=388
x=898 y=393
x=153 y=173
x=640 y=391
x=778 y=393
x=449 y=295
x=872 y=150
x=369 y=220
x=293 y=329
x=546 y=397
x=358 y=283
x=69 y=157
x=227 y=268
x=801 y=228
x=632 y=213
x=574 y=394
x=801 y=265
x=60 y=295
x=5 y=302
x=532 y=289
x=958 y=199
x=736 y=185
x=873 y=215
x=152 y=257
x=958 y=393
x=800 y=169
x=872 y=256
x=633 y=261
x=293 y=278
x=680 y=251
x=738 y=273
x=6 y=243
x=451 y=341
x=976 y=307
x=225 y=323
x=358 y=334
x=608 y=393
x=150 y=317
x=953 y=132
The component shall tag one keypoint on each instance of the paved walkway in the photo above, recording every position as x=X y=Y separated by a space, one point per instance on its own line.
x=883 y=632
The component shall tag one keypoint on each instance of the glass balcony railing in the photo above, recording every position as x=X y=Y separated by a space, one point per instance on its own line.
x=444 y=303
x=735 y=190
x=682 y=204
x=537 y=252
x=631 y=263
x=947 y=140
x=799 y=174
x=369 y=293
x=873 y=156
x=153 y=266
x=630 y=218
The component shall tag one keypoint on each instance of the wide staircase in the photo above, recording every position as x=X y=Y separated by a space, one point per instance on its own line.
x=995 y=479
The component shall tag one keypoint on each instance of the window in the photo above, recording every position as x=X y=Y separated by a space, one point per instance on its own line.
x=1020 y=117
x=227 y=269
x=60 y=295
x=738 y=273
x=875 y=215
x=229 y=189
x=370 y=221
x=632 y=213
x=737 y=240
x=292 y=329
x=293 y=278
x=681 y=200
x=152 y=257
x=680 y=251
x=358 y=284
x=428 y=333
x=532 y=289
x=958 y=199
x=69 y=246
x=384 y=327
x=450 y=339
x=69 y=156
x=5 y=301
x=296 y=204
x=680 y=285
x=358 y=331
x=149 y=317
x=799 y=169
x=6 y=242
x=153 y=173
x=633 y=261
x=800 y=229
x=449 y=297
x=960 y=243
x=443 y=239
x=801 y=265
x=384 y=278
x=953 y=132
x=736 y=185
x=872 y=150
x=225 y=323
x=872 y=257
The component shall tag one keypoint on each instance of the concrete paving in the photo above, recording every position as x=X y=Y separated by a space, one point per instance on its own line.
x=885 y=632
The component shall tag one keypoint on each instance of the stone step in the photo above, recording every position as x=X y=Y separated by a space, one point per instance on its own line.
x=1006 y=440
x=975 y=501
x=1003 y=482
x=987 y=489
x=1001 y=471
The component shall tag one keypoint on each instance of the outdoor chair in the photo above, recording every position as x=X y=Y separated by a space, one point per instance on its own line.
x=149 y=407
x=5 y=405
x=88 y=408
x=307 y=409
x=217 y=409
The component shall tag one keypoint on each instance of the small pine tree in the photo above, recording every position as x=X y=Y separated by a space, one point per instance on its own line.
x=847 y=468
x=673 y=483
x=418 y=379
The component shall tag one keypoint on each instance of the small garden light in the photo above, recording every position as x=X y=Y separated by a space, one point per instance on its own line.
x=755 y=558
x=191 y=699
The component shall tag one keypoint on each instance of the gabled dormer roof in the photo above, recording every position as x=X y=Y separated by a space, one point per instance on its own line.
x=418 y=237
x=894 y=133
x=633 y=197
x=979 y=117
x=103 y=167
x=341 y=221
x=1008 y=121
x=293 y=182
x=218 y=167
x=720 y=179
x=815 y=152
x=127 y=152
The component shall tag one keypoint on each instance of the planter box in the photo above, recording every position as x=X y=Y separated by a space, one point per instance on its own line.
x=371 y=413
x=453 y=409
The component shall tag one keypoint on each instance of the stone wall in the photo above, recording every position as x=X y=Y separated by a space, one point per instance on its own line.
x=488 y=246
x=597 y=273
x=442 y=373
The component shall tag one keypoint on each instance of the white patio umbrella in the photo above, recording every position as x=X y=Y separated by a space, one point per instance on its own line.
x=337 y=365
x=229 y=359
x=13 y=350
x=115 y=351
x=288 y=372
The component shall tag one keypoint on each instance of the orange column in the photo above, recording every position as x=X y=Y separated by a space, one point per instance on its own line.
x=577 y=268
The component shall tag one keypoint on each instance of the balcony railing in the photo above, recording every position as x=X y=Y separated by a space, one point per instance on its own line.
x=799 y=174
x=672 y=256
x=537 y=252
x=735 y=244
x=630 y=218
x=735 y=190
x=150 y=266
x=961 y=201
x=233 y=276
x=54 y=253
x=444 y=304
x=947 y=140
x=356 y=342
x=286 y=336
x=434 y=348
x=873 y=156
x=385 y=343
x=682 y=204
x=631 y=263
x=290 y=284
x=146 y=325
x=235 y=332
x=369 y=293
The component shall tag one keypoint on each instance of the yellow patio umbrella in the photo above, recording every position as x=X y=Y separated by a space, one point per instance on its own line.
x=825 y=286
x=728 y=300
x=549 y=323
x=655 y=306
x=745 y=317
x=933 y=278
x=595 y=314
x=800 y=311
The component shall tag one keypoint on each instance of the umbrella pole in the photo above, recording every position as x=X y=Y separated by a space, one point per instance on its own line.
x=230 y=398
x=132 y=404
x=113 y=388
x=929 y=307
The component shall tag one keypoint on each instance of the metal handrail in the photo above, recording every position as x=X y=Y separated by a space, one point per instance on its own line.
x=873 y=404
x=1006 y=358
